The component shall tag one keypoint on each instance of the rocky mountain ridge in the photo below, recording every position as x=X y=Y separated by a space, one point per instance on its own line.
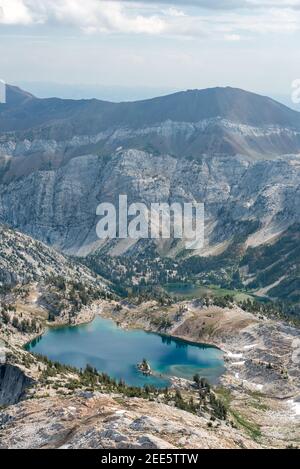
x=24 y=260
x=235 y=151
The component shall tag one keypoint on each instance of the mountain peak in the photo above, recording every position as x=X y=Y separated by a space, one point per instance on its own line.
x=191 y=106
x=16 y=96
x=234 y=104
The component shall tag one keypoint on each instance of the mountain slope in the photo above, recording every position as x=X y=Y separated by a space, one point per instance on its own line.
x=275 y=268
x=24 y=260
x=235 y=151
x=38 y=282
x=256 y=200
x=191 y=106
x=213 y=121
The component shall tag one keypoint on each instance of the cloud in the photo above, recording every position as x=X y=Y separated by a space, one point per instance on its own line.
x=230 y=20
x=88 y=15
x=15 y=12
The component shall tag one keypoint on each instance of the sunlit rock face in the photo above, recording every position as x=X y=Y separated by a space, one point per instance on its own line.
x=58 y=206
x=235 y=151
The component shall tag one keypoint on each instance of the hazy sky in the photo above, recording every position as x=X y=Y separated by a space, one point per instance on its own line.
x=163 y=45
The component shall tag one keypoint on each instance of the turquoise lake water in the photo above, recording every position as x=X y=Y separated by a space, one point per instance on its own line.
x=115 y=351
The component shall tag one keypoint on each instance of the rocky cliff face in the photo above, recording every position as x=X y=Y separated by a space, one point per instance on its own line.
x=13 y=384
x=256 y=199
x=235 y=151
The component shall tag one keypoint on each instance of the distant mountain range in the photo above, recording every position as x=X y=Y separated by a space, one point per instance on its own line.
x=223 y=120
x=236 y=151
x=236 y=105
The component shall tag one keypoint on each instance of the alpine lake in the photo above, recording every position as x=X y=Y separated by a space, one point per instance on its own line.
x=117 y=352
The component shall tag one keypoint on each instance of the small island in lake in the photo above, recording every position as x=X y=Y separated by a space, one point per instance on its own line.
x=145 y=367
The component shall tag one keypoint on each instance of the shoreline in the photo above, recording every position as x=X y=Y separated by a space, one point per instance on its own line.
x=239 y=355
x=246 y=382
x=174 y=380
x=232 y=360
x=236 y=353
x=125 y=326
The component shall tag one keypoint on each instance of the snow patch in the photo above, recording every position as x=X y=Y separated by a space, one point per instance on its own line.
x=295 y=406
x=249 y=347
x=234 y=355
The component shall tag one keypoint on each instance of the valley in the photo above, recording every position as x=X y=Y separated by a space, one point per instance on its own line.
x=260 y=388
x=64 y=291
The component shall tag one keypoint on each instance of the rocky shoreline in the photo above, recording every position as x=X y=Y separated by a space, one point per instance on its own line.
x=244 y=354
x=261 y=382
x=262 y=358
